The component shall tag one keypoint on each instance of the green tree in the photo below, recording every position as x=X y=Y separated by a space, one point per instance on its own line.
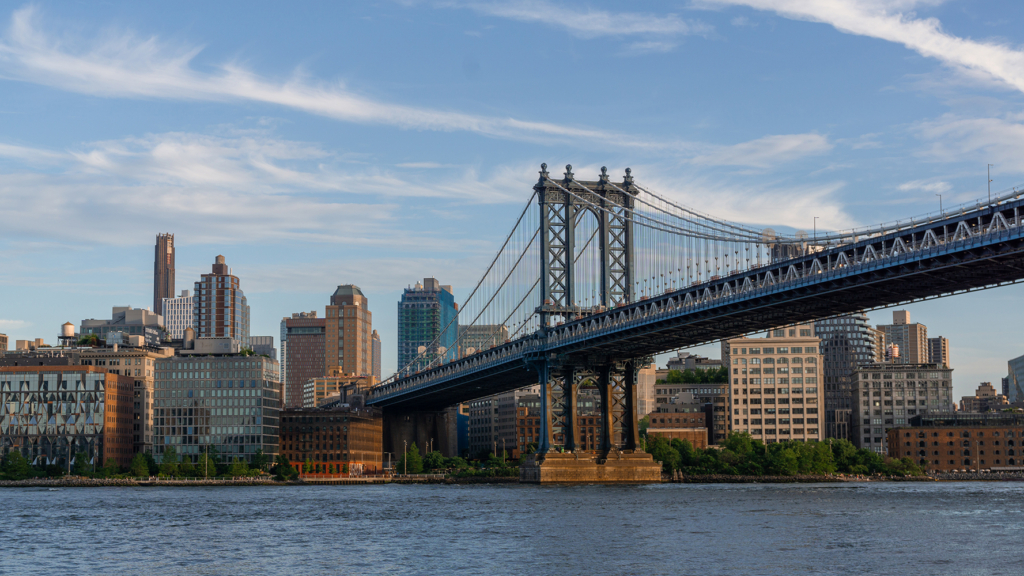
x=307 y=467
x=284 y=469
x=206 y=466
x=82 y=466
x=238 y=468
x=433 y=461
x=662 y=451
x=644 y=424
x=151 y=464
x=15 y=466
x=139 y=467
x=110 y=468
x=259 y=461
x=410 y=462
x=187 y=469
x=169 y=462
x=344 y=468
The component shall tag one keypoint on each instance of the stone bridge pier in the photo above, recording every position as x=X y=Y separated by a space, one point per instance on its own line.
x=428 y=429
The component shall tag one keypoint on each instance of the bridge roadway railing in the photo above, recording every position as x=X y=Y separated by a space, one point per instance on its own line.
x=879 y=252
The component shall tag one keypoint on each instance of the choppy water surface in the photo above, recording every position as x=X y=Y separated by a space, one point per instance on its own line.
x=954 y=528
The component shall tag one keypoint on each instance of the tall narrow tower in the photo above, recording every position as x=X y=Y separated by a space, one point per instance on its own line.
x=163 y=271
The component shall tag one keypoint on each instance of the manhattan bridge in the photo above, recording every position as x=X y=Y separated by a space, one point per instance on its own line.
x=597 y=276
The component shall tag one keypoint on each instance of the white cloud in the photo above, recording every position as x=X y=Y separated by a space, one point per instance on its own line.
x=586 y=23
x=129 y=67
x=765 y=152
x=998 y=141
x=934 y=186
x=650 y=47
x=13 y=324
x=889 y=20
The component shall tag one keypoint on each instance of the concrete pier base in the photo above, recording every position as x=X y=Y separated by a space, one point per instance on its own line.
x=616 y=468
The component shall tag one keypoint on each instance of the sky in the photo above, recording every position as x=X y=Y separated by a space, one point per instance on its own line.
x=378 y=143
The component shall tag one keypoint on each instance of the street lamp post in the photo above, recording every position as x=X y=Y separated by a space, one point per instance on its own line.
x=940 y=203
x=989 y=173
x=405 y=457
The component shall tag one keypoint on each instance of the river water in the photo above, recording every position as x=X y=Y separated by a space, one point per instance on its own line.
x=867 y=528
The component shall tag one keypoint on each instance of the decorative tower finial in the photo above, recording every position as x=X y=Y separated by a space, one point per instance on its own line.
x=543 y=171
x=629 y=176
x=604 y=174
x=568 y=171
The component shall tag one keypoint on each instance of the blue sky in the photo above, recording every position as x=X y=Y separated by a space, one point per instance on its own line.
x=378 y=143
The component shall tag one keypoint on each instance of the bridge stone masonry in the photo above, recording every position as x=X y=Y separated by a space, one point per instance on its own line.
x=601 y=275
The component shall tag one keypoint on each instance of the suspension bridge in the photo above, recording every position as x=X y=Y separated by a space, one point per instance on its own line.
x=598 y=276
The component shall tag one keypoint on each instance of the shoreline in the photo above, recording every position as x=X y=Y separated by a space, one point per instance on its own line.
x=78 y=482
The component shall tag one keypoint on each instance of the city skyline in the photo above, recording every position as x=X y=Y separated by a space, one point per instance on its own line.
x=454 y=163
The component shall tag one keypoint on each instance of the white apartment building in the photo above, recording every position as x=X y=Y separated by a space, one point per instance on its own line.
x=178 y=314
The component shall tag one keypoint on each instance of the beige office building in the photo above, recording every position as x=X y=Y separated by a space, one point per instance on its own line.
x=775 y=389
x=885 y=395
x=349 y=332
x=912 y=339
x=938 y=351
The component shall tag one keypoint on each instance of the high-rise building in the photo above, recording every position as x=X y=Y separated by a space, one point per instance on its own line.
x=775 y=384
x=847 y=342
x=264 y=345
x=912 y=339
x=220 y=309
x=127 y=321
x=480 y=337
x=178 y=314
x=228 y=401
x=427 y=325
x=886 y=394
x=1015 y=380
x=91 y=412
x=938 y=351
x=349 y=327
x=305 y=334
x=3 y=344
x=375 y=353
x=163 y=271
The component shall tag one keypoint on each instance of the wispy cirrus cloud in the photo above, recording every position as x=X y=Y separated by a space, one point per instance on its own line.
x=765 y=152
x=954 y=139
x=586 y=22
x=892 y=20
x=130 y=67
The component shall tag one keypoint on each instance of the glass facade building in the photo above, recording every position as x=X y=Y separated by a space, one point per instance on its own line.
x=231 y=403
x=847 y=342
x=427 y=320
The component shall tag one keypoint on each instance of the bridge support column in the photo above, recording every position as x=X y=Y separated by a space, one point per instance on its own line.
x=428 y=430
x=608 y=464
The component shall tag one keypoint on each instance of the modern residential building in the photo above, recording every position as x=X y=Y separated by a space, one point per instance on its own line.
x=985 y=399
x=480 y=337
x=228 y=402
x=3 y=344
x=163 y=272
x=52 y=413
x=375 y=355
x=961 y=441
x=938 y=351
x=334 y=437
x=305 y=334
x=886 y=395
x=492 y=421
x=264 y=345
x=1015 y=380
x=220 y=309
x=911 y=339
x=847 y=342
x=686 y=361
x=775 y=393
x=318 y=391
x=178 y=314
x=128 y=321
x=349 y=327
x=427 y=325
x=138 y=363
